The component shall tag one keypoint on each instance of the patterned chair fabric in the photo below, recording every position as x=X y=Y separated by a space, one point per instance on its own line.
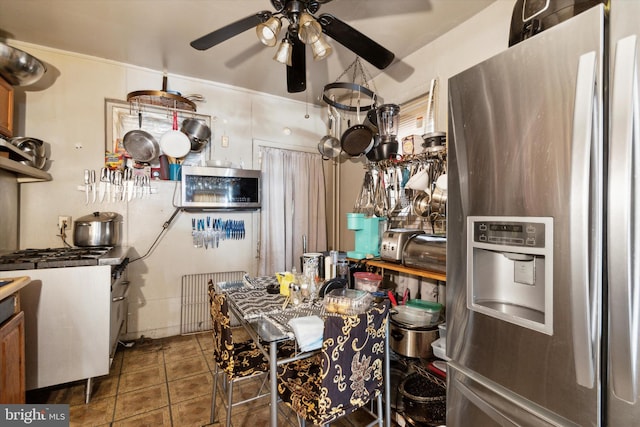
x=235 y=359
x=345 y=375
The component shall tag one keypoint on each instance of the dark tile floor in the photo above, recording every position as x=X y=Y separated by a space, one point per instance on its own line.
x=163 y=382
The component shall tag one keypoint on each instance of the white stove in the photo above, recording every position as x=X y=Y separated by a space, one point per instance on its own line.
x=75 y=309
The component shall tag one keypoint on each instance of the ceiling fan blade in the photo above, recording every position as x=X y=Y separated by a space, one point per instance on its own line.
x=297 y=72
x=355 y=41
x=231 y=30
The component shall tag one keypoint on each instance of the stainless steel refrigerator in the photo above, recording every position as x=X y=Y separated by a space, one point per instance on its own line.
x=543 y=271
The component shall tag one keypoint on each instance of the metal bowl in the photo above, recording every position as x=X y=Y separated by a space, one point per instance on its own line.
x=18 y=67
x=33 y=147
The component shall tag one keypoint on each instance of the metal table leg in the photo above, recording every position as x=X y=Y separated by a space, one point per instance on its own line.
x=387 y=378
x=87 y=391
x=273 y=371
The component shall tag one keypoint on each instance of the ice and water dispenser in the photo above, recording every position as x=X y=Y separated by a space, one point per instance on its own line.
x=510 y=269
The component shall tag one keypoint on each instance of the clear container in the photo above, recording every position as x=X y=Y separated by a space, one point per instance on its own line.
x=347 y=301
x=366 y=281
x=431 y=309
x=439 y=347
x=415 y=317
x=388 y=119
x=442 y=330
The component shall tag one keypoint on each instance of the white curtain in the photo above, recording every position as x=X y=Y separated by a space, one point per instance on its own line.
x=293 y=205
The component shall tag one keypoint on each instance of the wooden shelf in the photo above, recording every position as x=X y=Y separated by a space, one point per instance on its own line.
x=384 y=265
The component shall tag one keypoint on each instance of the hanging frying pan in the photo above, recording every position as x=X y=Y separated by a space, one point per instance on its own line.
x=140 y=144
x=357 y=140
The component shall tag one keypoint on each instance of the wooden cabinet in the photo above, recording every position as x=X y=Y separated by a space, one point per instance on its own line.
x=12 y=361
x=6 y=108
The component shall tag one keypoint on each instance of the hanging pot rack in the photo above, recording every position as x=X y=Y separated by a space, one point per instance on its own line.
x=162 y=98
x=353 y=96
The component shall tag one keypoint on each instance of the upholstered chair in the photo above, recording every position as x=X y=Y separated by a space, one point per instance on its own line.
x=235 y=361
x=345 y=375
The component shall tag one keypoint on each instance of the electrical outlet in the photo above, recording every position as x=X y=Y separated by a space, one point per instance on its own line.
x=64 y=222
x=225 y=141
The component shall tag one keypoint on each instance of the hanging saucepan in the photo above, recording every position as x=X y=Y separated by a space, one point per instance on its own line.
x=140 y=144
x=329 y=145
x=197 y=131
x=175 y=143
x=371 y=120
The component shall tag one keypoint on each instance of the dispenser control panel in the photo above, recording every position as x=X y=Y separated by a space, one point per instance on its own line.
x=510 y=233
x=510 y=269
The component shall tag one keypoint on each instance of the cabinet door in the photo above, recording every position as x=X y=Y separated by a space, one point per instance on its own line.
x=12 y=385
x=6 y=108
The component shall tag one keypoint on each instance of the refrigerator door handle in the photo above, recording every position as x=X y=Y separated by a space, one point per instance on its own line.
x=623 y=233
x=582 y=144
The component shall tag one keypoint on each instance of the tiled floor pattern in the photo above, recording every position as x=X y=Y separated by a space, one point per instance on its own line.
x=164 y=382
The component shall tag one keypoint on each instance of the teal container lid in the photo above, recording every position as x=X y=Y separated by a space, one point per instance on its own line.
x=425 y=305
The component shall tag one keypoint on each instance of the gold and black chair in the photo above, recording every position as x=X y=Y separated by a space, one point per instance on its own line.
x=235 y=361
x=346 y=375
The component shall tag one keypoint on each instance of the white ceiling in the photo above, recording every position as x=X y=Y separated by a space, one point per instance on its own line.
x=156 y=33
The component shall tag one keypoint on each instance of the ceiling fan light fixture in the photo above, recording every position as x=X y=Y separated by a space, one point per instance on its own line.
x=321 y=49
x=310 y=30
x=268 y=31
x=285 y=50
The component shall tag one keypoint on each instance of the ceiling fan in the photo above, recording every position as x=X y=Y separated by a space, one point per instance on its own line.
x=303 y=29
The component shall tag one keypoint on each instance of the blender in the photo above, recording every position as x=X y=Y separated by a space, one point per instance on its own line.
x=388 y=122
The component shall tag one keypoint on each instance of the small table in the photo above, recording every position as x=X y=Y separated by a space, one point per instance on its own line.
x=265 y=317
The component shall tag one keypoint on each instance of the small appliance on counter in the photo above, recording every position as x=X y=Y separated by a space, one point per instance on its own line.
x=367 y=235
x=393 y=241
x=426 y=252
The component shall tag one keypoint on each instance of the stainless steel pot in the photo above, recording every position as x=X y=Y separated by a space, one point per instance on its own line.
x=411 y=341
x=98 y=229
x=198 y=132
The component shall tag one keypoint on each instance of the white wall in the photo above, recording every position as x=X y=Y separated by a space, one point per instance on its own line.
x=477 y=39
x=70 y=116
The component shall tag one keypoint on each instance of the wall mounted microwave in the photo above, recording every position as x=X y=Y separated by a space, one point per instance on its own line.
x=220 y=188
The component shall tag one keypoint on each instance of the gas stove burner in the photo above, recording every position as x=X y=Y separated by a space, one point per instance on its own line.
x=26 y=259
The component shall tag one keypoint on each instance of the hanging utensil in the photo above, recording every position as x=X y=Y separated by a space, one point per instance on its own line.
x=87 y=180
x=381 y=206
x=364 y=203
x=92 y=183
x=104 y=178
